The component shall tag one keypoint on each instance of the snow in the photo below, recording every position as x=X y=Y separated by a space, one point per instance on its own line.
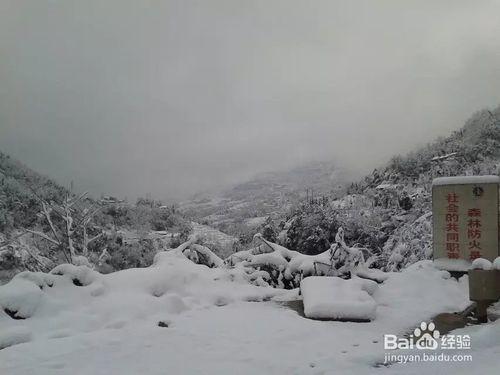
x=79 y=274
x=111 y=326
x=485 y=347
x=337 y=299
x=462 y=180
x=21 y=297
x=482 y=264
x=372 y=274
x=419 y=291
x=13 y=336
x=452 y=264
x=496 y=264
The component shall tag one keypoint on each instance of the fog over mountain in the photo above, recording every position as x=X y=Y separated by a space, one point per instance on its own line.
x=174 y=97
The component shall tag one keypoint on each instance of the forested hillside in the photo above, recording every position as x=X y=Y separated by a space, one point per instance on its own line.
x=245 y=207
x=20 y=191
x=389 y=211
x=43 y=224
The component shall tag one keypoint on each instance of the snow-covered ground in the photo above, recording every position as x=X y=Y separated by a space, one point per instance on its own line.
x=212 y=322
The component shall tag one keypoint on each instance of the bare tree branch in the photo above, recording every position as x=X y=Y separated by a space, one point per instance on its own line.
x=95 y=238
x=44 y=236
x=46 y=212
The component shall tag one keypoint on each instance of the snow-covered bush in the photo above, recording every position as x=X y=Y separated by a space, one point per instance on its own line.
x=283 y=268
x=408 y=244
x=129 y=255
x=203 y=255
x=311 y=230
x=19 y=254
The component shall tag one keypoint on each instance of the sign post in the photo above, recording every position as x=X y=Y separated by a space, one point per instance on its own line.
x=465 y=220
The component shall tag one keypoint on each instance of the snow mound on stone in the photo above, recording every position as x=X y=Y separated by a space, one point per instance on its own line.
x=482 y=264
x=338 y=299
x=421 y=291
x=496 y=264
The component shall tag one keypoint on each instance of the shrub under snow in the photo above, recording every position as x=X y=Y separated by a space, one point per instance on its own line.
x=272 y=264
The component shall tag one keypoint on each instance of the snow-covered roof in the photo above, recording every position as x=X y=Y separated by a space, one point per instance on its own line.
x=462 y=180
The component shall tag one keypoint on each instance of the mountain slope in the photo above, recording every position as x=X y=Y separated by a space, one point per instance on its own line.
x=246 y=206
x=19 y=187
x=389 y=211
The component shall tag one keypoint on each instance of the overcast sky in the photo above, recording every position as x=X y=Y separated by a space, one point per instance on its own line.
x=129 y=97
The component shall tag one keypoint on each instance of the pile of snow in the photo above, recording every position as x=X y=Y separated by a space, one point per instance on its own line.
x=496 y=263
x=180 y=317
x=482 y=264
x=421 y=291
x=20 y=298
x=74 y=299
x=338 y=299
x=79 y=275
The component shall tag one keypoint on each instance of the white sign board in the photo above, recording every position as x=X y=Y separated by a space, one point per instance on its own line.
x=465 y=220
